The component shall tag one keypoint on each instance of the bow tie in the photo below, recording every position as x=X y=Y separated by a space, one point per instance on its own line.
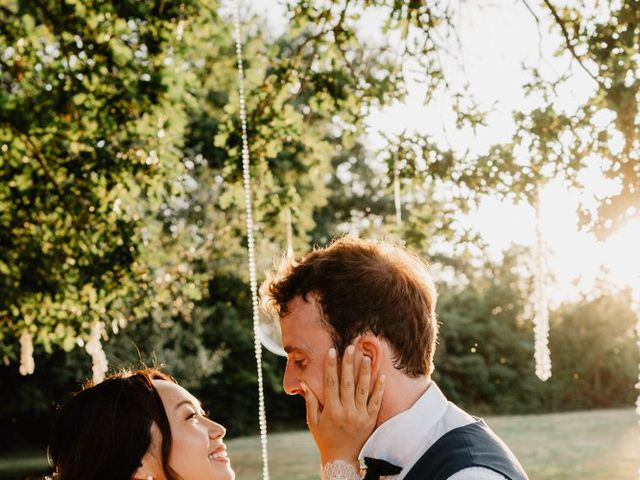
x=377 y=468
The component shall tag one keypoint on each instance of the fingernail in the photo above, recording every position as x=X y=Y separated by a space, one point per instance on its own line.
x=350 y=350
x=382 y=378
x=332 y=352
x=366 y=360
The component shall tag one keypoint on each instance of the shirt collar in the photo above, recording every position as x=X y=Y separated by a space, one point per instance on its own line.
x=398 y=439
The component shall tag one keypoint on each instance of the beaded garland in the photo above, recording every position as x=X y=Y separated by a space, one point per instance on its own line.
x=27 y=364
x=540 y=306
x=99 y=364
x=246 y=175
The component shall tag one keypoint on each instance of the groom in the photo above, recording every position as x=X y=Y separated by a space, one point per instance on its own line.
x=381 y=298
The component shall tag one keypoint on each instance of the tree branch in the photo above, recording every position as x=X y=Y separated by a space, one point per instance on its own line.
x=295 y=60
x=567 y=39
x=538 y=26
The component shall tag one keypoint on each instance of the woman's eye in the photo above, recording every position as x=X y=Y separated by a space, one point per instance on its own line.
x=192 y=415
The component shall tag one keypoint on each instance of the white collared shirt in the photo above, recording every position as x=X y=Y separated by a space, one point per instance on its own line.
x=404 y=438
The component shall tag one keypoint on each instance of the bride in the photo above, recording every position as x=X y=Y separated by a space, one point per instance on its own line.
x=141 y=425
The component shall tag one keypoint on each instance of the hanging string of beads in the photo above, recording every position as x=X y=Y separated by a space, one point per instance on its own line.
x=99 y=364
x=540 y=305
x=251 y=244
x=27 y=364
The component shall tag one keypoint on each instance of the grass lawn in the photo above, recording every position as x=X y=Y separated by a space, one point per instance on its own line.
x=596 y=445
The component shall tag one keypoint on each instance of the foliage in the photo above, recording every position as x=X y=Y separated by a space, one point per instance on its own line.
x=231 y=393
x=594 y=355
x=485 y=357
x=601 y=131
x=550 y=140
x=25 y=417
x=89 y=137
x=119 y=137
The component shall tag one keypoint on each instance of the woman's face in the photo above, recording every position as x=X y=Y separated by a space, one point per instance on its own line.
x=197 y=450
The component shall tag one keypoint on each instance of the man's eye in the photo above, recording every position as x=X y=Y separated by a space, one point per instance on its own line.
x=299 y=363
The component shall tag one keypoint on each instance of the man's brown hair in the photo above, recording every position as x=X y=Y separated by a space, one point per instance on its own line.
x=365 y=286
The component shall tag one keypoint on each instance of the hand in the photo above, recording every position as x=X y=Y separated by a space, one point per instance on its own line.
x=342 y=426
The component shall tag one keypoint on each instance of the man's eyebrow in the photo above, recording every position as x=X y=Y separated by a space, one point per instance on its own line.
x=293 y=348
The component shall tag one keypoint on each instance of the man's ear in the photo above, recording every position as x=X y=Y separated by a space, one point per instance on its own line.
x=370 y=346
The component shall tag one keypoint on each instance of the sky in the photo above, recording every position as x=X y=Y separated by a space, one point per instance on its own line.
x=494 y=51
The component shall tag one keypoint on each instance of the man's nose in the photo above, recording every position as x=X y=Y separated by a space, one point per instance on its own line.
x=291 y=383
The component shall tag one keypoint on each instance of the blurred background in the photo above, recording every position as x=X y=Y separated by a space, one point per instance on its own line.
x=498 y=139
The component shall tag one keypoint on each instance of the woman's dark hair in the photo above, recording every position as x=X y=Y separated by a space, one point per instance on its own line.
x=104 y=430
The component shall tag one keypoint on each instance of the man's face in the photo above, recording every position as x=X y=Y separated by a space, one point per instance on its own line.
x=306 y=340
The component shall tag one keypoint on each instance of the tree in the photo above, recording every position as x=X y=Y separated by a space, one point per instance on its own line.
x=602 y=40
x=594 y=353
x=484 y=358
x=89 y=138
x=120 y=144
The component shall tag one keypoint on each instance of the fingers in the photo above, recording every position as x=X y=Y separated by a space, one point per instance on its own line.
x=347 y=378
x=331 y=392
x=364 y=380
x=375 y=400
x=312 y=405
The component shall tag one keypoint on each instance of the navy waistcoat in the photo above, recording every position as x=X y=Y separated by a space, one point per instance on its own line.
x=473 y=445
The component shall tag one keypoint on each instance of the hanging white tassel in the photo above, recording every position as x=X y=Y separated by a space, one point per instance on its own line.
x=540 y=305
x=94 y=348
x=27 y=364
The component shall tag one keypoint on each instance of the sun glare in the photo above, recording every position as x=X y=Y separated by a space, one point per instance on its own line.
x=580 y=264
